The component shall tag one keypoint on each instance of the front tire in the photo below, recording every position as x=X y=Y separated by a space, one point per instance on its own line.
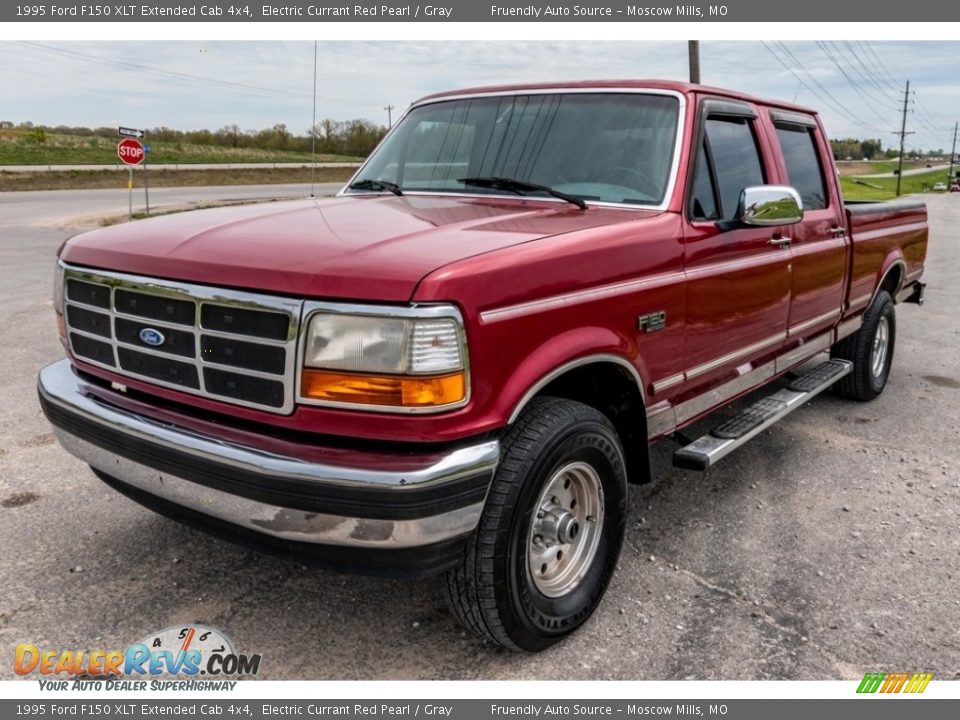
x=551 y=531
x=870 y=349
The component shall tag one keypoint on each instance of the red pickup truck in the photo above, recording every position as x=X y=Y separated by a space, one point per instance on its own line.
x=458 y=364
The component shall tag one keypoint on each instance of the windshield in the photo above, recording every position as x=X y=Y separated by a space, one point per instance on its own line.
x=602 y=147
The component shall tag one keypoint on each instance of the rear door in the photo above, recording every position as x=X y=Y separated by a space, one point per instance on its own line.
x=737 y=277
x=818 y=244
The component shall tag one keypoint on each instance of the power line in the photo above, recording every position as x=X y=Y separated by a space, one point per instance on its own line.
x=834 y=104
x=880 y=70
x=852 y=116
x=882 y=65
x=166 y=73
x=850 y=80
x=920 y=112
x=866 y=71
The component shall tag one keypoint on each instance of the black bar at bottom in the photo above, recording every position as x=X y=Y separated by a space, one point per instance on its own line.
x=225 y=705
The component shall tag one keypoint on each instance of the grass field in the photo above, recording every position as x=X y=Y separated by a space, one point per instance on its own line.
x=20 y=147
x=886 y=188
x=74 y=180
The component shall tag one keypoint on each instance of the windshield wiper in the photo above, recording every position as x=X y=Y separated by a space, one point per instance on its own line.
x=376 y=185
x=519 y=186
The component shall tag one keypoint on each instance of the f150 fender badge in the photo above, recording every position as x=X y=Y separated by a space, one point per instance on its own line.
x=652 y=322
x=152 y=337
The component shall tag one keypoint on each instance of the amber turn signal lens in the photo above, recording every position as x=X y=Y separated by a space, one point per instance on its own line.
x=62 y=329
x=384 y=390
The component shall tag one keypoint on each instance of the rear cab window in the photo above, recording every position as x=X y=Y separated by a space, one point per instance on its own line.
x=797 y=135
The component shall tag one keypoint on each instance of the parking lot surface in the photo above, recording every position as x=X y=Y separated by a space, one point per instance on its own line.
x=826 y=548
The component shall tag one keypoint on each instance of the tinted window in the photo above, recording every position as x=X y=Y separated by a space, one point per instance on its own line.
x=611 y=147
x=736 y=161
x=803 y=165
x=703 y=203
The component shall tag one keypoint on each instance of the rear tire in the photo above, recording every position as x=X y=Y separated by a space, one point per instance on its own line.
x=870 y=349
x=550 y=534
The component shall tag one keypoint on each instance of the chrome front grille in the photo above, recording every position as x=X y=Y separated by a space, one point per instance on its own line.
x=236 y=347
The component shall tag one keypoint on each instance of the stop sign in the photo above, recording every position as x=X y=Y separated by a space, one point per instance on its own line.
x=130 y=151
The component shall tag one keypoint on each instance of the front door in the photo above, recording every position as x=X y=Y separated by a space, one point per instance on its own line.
x=738 y=277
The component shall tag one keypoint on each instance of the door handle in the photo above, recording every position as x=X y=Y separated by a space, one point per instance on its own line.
x=780 y=241
x=838 y=231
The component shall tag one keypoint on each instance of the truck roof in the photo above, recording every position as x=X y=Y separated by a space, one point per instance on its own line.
x=680 y=87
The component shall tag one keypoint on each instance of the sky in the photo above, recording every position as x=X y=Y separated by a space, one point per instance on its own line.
x=857 y=86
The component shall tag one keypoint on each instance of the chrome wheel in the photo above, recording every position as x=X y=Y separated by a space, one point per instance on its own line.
x=566 y=530
x=881 y=343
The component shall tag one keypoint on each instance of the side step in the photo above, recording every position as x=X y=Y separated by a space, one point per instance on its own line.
x=724 y=439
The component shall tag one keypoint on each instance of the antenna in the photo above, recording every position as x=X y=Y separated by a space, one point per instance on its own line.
x=313 y=126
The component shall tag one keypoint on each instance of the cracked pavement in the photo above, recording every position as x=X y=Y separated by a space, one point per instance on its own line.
x=826 y=548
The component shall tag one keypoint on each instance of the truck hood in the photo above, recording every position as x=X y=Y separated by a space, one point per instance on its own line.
x=361 y=248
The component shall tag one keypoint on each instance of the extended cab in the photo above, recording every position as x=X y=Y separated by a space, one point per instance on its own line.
x=457 y=364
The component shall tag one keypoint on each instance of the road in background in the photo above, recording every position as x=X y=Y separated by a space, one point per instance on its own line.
x=179 y=166
x=36 y=208
x=826 y=548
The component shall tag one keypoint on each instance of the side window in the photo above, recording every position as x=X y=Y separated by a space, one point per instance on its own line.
x=804 y=170
x=703 y=198
x=735 y=158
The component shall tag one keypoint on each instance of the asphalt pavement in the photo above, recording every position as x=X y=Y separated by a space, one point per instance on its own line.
x=826 y=548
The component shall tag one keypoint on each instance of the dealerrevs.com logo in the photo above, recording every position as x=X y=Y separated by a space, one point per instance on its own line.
x=887 y=683
x=185 y=653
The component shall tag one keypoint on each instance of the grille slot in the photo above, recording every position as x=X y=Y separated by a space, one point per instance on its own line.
x=91 y=349
x=88 y=321
x=234 y=347
x=241 y=321
x=159 y=368
x=235 y=385
x=89 y=293
x=252 y=356
x=155 y=307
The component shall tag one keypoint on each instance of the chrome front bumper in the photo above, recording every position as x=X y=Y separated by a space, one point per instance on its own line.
x=365 y=500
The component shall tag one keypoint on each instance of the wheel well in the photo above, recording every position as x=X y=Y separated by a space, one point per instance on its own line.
x=892 y=280
x=609 y=388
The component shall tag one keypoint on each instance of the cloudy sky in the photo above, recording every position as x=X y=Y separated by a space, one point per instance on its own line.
x=856 y=85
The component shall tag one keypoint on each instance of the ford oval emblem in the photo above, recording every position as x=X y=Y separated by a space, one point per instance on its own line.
x=152 y=337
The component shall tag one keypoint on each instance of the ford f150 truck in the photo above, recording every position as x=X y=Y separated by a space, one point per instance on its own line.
x=458 y=364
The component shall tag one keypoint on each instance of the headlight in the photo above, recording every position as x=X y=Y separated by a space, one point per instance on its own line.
x=399 y=361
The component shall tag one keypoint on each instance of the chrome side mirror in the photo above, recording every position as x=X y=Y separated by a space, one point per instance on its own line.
x=765 y=205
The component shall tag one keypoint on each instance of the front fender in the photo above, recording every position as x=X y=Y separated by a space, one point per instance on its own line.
x=562 y=353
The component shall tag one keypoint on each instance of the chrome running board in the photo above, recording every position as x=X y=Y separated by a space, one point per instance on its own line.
x=727 y=437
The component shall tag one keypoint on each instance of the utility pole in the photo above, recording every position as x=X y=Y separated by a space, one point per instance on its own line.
x=313 y=127
x=953 y=154
x=903 y=134
x=693 y=52
x=389 y=109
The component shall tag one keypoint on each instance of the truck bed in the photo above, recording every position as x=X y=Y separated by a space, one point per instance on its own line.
x=887 y=237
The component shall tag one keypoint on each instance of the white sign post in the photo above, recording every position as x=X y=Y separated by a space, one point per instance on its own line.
x=130 y=152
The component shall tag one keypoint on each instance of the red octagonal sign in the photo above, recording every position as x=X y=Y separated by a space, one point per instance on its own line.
x=130 y=151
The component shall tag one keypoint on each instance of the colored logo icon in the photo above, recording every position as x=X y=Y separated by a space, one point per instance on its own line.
x=152 y=337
